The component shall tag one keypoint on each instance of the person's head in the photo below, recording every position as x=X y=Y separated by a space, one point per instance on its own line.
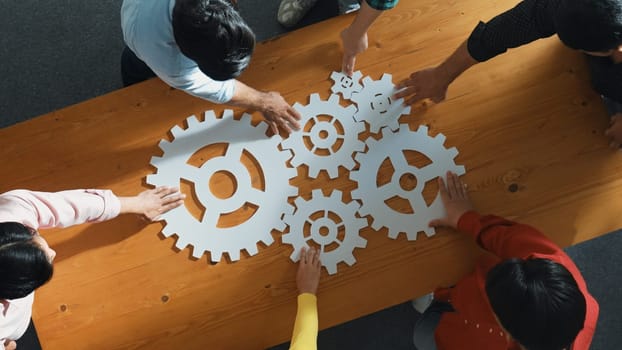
x=213 y=34
x=537 y=301
x=592 y=26
x=25 y=260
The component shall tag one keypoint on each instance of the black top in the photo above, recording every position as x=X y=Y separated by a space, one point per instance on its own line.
x=531 y=20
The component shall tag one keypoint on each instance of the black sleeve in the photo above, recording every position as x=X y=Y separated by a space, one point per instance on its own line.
x=530 y=20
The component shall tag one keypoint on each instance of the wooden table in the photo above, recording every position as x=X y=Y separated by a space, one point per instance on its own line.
x=529 y=130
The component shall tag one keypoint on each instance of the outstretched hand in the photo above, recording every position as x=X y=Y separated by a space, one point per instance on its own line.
x=430 y=83
x=353 y=44
x=153 y=203
x=455 y=199
x=309 y=268
x=278 y=113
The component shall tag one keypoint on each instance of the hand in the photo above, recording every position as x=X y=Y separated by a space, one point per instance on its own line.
x=278 y=113
x=615 y=131
x=309 y=268
x=455 y=199
x=429 y=83
x=353 y=44
x=10 y=344
x=155 y=202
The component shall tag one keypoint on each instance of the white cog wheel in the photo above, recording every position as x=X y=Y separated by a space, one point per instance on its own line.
x=325 y=229
x=373 y=198
x=376 y=105
x=328 y=148
x=270 y=201
x=346 y=85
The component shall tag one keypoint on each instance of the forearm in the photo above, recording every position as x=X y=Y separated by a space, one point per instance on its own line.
x=459 y=61
x=306 y=326
x=364 y=19
x=247 y=97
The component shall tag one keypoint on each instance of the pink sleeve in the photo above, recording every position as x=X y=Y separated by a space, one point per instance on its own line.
x=58 y=209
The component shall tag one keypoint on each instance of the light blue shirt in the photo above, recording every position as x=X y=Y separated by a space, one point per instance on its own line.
x=148 y=31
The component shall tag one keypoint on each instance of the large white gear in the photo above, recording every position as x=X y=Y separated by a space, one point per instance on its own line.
x=324 y=135
x=376 y=105
x=346 y=213
x=271 y=202
x=373 y=198
x=346 y=85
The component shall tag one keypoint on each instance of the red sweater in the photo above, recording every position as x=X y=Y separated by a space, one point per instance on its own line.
x=473 y=325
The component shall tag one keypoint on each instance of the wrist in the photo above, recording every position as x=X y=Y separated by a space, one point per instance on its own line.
x=130 y=205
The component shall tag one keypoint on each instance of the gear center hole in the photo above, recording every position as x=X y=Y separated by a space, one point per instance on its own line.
x=323 y=134
x=408 y=182
x=223 y=184
x=324 y=231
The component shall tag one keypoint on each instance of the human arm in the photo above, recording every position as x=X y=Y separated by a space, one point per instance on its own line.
x=354 y=37
x=502 y=237
x=528 y=21
x=66 y=208
x=277 y=112
x=307 y=280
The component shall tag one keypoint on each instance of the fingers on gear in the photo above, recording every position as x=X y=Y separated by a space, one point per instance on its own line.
x=346 y=85
x=243 y=139
x=374 y=198
x=376 y=105
x=329 y=136
x=329 y=223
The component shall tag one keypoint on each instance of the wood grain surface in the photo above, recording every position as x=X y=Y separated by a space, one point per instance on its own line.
x=527 y=124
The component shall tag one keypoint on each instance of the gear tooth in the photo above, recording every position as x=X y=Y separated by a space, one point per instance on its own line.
x=356 y=193
x=313 y=172
x=227 y=114
x=348 y=164
x=406 y=110
x=234 y=255
x=412 y=236
x=335 y=75
x=252 y=250
x=393 y=234
x=287 y=239
x=246 y=118
x=152 y=179
x=294 y=257
x=333 y=172
x=332 y=269
x=297 y=106
x=163 y=145
x=334 y=99
x=423 y=129
x=267 y=240
x=452 y=152
x=299 y=202
x=350 y=110
x=387 y=77
x=429 y=231
x=350 y=259
x=460 y=170
x=314 y=98
x=361 y=242
x=440 y=138
x=210 y=116
x=176 y=131
x=215 y=256
x=337 y=195
x=192 y=121
x=376 y=225
x=357 y=75
x=316 y=193
x=367 y=80
x=280 y=226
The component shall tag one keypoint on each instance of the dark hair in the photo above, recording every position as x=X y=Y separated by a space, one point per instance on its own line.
x=212 y=33
x=590 y=25
x=537 y=301
x=24 y=266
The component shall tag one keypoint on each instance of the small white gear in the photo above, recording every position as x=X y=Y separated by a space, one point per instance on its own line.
x=324 y=135
x=350 y=222
x=346 y=85
x=376 y=105
x=271 y=201
x=373 y=198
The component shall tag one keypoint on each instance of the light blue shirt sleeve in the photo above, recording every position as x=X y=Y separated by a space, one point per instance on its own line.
x=148 y=31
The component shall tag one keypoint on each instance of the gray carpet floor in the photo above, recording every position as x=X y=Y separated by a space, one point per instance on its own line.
x=57 y=53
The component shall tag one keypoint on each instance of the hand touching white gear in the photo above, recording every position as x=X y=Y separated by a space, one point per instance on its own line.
x=392 y=145
x=376 y=105
x=271 y=202
x=346 y=85
x=349 y=223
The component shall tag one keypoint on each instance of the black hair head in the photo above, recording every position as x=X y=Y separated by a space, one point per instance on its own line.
x=24 y=266
x=537 y=301
x=213 y=34
x=590 y=25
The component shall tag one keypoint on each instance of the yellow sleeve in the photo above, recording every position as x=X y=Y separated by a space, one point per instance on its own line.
x=306 y=326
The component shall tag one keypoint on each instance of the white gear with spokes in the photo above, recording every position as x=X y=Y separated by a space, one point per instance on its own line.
x=373 y=197
x=241 y=137
x=325 y=135
x=346 y=85
x=349 y=223
x=376 y=105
